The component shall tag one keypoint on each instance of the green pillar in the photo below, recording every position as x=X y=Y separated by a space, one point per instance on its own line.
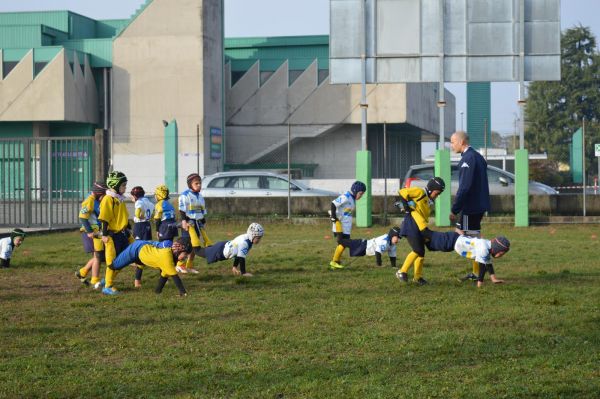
x=171 y=156
x=443 y=202
x=363 y=173
x=521 y=188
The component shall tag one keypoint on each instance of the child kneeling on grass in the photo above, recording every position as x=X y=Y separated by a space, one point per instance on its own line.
x=237 y=249
x=8 y=244
x=375 y=246
x=478 y=249
x=158 y=256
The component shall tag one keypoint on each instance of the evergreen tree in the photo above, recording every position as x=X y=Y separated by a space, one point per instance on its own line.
x=555 y=110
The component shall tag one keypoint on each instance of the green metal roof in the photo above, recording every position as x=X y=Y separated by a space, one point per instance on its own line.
x=299 y=51
x=21 y=31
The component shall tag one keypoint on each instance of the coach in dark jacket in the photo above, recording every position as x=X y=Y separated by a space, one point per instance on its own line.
x=472 y=199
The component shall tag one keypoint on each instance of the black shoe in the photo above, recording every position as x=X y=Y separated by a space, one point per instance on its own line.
x=470 y=276
x=403 y=277
x=82 y=280
x=421 y=281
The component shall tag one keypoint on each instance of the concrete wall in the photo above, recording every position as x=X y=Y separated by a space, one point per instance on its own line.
x=559 y=205
x=167 y=64
x=325 y=118
x=57 y=93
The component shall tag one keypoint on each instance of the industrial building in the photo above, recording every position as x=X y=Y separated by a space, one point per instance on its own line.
x=161 y=94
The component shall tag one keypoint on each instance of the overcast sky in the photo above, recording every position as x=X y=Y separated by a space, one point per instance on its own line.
x=247 y=18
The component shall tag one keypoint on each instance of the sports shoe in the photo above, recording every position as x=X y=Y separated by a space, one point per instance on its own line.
x=470 y=276
x=421 y=281
x=99 y=285
x=181 y=269
x=192 y=270
x=403 y=277
x=334 y=265
x=82 y=280
x=110 y=291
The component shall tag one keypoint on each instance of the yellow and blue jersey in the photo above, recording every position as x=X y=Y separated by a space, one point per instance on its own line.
x=164 y=211
x=421 y=204
x=90 y=210
x=344 y=206
x=477 y=249
x=157 y=255
x=192 y=203
x=143 y=210
x=114 y=212
x=381 y=244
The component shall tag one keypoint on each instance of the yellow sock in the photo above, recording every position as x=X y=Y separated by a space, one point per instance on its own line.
x=110 y=252
x=189 y=263
x=109 y=277
x=207 y=241
x=475 y=268
x=194 y=236
x=338 y=226
x=408 y=261
x=83 y=271
x=419 y=267
x=94 y=280
x=337 y=255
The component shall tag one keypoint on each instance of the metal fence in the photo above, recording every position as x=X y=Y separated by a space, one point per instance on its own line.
x=44 y=180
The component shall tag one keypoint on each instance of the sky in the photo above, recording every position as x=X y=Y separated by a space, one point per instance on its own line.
x=248 y=18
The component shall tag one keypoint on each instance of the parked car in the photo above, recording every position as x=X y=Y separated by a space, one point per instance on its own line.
x=256 y=184
x=500 y=181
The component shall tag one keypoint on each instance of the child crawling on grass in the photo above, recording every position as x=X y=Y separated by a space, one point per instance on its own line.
x=237 y=249
x=478 y=249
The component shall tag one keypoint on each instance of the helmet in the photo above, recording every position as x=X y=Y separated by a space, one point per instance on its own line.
x=499 y=244
x=191 y=178
x=394 y=232
x=182 y=244
x=138 y=192
x=99 y=188
x=17 y=233
x=436 y=183
x=255 y=230
x=161 y=192
x=358 y=187
x=115 y=179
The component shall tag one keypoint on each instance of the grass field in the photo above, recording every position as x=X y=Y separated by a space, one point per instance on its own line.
x=298 y=330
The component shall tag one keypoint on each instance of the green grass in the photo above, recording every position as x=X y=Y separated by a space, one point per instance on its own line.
x=298 y=330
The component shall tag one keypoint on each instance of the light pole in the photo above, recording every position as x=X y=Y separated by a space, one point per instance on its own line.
x=462 y=127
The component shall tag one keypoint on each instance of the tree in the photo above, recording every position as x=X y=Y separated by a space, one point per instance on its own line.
x=555 y=110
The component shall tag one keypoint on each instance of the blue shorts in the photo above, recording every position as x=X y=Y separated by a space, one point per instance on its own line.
x=409 y=227
x=357 y=247
x=88 y=243
x=167 y=230
x=443 y=242
x=214 y=253
x=142 y=231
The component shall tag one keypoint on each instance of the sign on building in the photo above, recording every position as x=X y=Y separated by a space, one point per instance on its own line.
x=444 y=40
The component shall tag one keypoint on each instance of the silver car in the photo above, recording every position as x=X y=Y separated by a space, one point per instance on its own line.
x=256 y=184
x=500 y=181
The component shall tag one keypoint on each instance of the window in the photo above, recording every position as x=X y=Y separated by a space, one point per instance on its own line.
x=275 y=183
x=423 y=174
x=220 y=182
x=246 y=182
x=494 y=176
